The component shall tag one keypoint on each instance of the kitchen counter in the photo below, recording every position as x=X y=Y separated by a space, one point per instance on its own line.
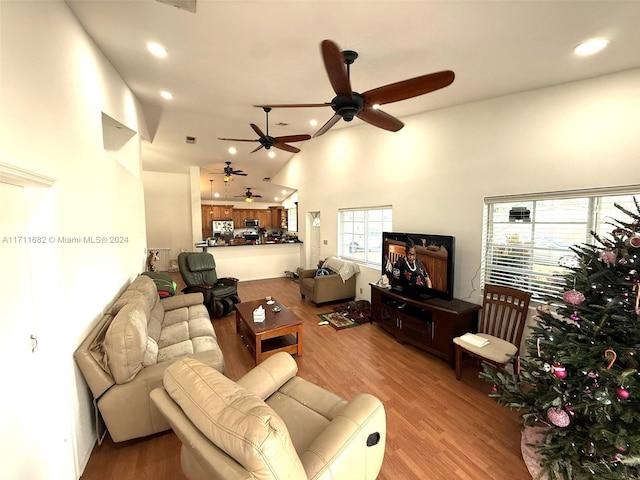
x=256 y=261
x=205 y=246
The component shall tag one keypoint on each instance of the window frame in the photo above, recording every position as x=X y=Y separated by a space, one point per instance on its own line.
x=539 y=263
x=369 y=254
x=292 y=218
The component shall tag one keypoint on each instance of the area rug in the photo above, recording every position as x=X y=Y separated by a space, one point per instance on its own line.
x=337 y=320
x=345 y=316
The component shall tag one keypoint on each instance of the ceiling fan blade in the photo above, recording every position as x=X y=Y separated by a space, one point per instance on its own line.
x=413 y=87
x=257 y=130
x=380 y=119
x=257 y=148
x=240 y=174
x=296 y=105
x=332 y=121
x=293 y=138
x=336 y=68
x=256 y=196
x=285 y=147
x=237 y=139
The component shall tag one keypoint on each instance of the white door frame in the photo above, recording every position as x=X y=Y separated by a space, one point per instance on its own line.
x=38 y=418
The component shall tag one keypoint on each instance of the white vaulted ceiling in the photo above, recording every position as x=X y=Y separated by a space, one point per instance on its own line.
x=231 y=55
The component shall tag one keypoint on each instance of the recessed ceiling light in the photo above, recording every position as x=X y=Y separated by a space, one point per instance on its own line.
x=217 y=195
x=284 y=192
x=157 y=50
x=272 y=154
x=275 y=199
x=166 y=95
x=313 y=123
x=590 y=47
x=232 y=150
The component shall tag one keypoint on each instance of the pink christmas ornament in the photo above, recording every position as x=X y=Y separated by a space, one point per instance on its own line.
x=559 y=371
x=573 y=297
x=558 y=417
x=622 y=393
x=608 y=257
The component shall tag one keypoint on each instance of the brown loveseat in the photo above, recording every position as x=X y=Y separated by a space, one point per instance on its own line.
x=125 y=355
x=270 y=424
x=340 y=284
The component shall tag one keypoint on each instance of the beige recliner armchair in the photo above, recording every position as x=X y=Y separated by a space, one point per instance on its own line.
x=340 y=284
x=270 y=424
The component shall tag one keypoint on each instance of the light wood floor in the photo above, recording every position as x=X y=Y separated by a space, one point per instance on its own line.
x=437 y=428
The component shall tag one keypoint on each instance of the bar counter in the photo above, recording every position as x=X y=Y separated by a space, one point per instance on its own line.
x=255 y=261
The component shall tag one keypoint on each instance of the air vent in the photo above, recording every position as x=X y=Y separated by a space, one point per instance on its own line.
x=266 y=179
x=282 y=124
x=191 y=140
x=188 y=5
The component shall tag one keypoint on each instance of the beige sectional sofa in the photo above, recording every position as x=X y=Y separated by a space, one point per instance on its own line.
x=125 y=355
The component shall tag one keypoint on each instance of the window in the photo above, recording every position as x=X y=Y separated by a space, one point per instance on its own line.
x=360 y=233
x=527 y=239
x=292 y=218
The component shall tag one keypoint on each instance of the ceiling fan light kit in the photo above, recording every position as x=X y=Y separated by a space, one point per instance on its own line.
x=228 y=172
x=249 y=195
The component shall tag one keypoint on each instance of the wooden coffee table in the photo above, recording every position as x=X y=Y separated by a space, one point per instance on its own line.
x=280 y=332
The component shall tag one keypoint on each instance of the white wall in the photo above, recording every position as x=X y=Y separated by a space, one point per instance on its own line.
x=436 y=171
x=55 y=87
x=167 y=200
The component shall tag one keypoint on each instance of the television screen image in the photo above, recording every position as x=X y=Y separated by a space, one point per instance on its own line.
x=419 y=265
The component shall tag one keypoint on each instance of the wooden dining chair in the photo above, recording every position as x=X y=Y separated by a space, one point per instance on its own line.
x=503 y=317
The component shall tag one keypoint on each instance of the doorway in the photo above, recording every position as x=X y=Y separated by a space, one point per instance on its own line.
x=36 y=417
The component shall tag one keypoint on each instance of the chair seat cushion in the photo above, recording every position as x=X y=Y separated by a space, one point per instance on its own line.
x=234 y=419
x=306 y=409
x=222 y=290
x=497 y=350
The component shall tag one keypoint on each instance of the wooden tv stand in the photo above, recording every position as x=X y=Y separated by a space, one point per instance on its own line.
x=427 y=324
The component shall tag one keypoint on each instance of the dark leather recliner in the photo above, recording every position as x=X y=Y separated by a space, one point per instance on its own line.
x=198 y=270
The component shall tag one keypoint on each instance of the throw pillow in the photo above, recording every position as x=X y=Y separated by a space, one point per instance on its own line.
x=323 y=271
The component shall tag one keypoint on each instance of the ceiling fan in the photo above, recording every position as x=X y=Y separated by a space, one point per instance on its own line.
x=268 y=141
x=249 y=195
x=348 y=104
x=229 y=171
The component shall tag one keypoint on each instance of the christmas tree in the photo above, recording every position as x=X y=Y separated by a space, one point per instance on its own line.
x=579 y=378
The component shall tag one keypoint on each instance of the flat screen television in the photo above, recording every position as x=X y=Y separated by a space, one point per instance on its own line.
x=428 y=274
